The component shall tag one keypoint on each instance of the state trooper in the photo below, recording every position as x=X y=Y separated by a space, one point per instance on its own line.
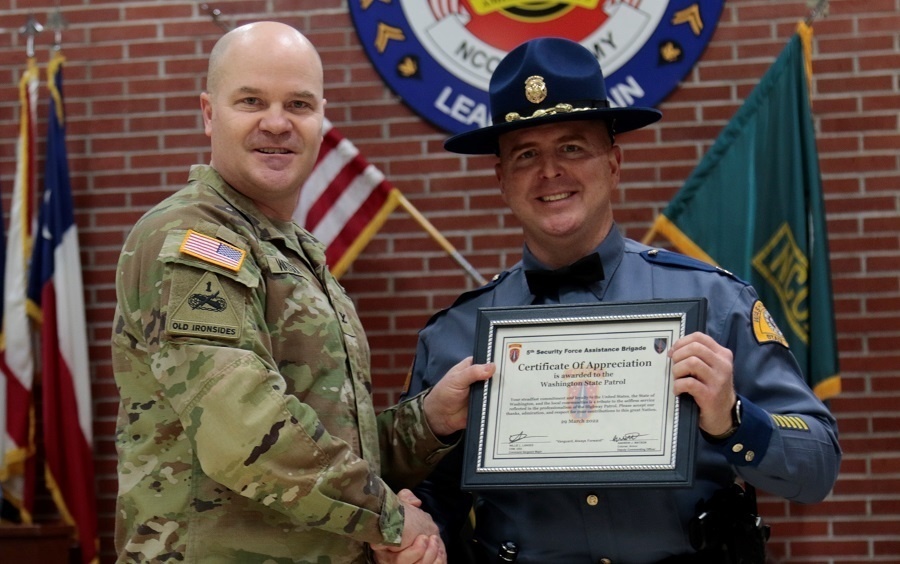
x=558 y=168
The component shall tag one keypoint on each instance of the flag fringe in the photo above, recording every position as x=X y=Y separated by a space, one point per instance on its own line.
x=663 y=226
x=805 y=32
x=53 y=68
x=828 y=388
x=14 y=459
x=24 y=515
x=59 y=499
x=30 y=75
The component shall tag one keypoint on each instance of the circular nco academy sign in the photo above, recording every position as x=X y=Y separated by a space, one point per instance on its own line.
x=438 y=55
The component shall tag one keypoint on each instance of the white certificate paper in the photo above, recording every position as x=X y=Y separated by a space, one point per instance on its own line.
x=583 y=398
x=582 y=395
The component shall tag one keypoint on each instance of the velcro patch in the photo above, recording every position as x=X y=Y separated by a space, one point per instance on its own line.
x=212 y=250
x=207 y=311
x=790 y=422
x=280 y=265
x=764 y=327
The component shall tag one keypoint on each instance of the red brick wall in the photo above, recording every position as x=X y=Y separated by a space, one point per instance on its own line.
x=135 y=70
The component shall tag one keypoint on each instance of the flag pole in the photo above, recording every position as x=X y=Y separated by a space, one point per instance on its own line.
x=820 y=9
x=437 y=236
x=804 y=29
x=31 y=28
x=216 y=15
x=58 y=24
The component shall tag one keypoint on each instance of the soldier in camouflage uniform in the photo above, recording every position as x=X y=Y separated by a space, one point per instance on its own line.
x=247 y=431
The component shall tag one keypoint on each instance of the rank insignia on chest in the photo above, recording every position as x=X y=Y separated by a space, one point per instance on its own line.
x=212 y=250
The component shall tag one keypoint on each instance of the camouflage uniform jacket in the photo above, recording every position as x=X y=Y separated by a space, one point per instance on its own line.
x=246 y=430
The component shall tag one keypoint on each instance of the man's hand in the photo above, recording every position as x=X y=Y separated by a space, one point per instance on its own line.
x=421 y=543
x=447 y=404
x=705 y=370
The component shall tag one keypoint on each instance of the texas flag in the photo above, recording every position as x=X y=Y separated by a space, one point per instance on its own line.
x=55 y=289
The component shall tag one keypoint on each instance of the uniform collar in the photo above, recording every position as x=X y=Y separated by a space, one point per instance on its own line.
x=610 y=250
x=265 y=227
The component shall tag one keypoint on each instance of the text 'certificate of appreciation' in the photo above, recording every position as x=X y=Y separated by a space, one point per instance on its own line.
x=582 y=395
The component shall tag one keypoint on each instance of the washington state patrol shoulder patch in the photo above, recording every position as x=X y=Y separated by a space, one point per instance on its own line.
x=764 y=328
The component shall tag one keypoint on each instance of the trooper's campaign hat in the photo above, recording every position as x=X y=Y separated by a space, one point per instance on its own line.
x=547 y=80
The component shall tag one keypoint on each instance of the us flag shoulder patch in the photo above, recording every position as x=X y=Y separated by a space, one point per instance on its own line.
x=212 y=250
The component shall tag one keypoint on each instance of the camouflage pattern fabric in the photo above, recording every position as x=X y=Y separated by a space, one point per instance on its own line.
x=246 y=430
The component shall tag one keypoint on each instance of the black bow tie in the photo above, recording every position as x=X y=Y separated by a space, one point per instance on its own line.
x=582 y=272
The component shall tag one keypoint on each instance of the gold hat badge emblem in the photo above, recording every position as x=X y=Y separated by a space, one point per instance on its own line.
x=535 y=89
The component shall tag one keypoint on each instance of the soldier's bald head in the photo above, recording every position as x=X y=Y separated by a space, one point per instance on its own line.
x=257 y=39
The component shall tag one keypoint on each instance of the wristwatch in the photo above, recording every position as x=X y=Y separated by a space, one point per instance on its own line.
x=735 y=423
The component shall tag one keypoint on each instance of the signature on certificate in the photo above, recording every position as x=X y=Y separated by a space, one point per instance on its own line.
x=521 y=436
x=628 y=437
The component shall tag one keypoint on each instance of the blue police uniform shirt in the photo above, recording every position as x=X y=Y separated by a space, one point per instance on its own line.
x=786 y=444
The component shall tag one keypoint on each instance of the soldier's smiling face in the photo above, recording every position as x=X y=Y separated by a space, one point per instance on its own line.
x=263 y=113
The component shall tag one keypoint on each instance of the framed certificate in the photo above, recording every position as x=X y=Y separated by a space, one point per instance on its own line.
x=582 y=396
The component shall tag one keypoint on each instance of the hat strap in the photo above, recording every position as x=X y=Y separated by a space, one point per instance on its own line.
x=557 y=109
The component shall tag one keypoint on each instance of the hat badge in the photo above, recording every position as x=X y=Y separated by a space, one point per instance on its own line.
x=535 y=89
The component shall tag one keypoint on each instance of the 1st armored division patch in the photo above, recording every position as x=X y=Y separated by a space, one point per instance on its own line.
x=206 y=310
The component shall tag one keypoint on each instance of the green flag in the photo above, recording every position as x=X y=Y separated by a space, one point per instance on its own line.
x=754 y=207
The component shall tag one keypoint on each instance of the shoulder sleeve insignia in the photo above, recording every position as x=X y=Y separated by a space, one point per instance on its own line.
x=764 y=327
x=203 y=307
x=790 y=422
x=212 y=250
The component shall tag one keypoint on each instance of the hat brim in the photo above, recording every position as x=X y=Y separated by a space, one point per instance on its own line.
x=484 y=141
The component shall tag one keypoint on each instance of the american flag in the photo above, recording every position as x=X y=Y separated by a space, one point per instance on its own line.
x=212 y=250
x=344 y=202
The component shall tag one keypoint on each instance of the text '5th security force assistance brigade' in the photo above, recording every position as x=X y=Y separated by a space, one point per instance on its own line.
x=438 y=55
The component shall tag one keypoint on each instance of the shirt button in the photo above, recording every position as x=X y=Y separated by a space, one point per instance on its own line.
x=738 y=447
x=749 y=456
x=592 y=500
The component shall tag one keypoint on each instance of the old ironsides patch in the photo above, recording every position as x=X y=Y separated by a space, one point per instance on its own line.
x=205 y=309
